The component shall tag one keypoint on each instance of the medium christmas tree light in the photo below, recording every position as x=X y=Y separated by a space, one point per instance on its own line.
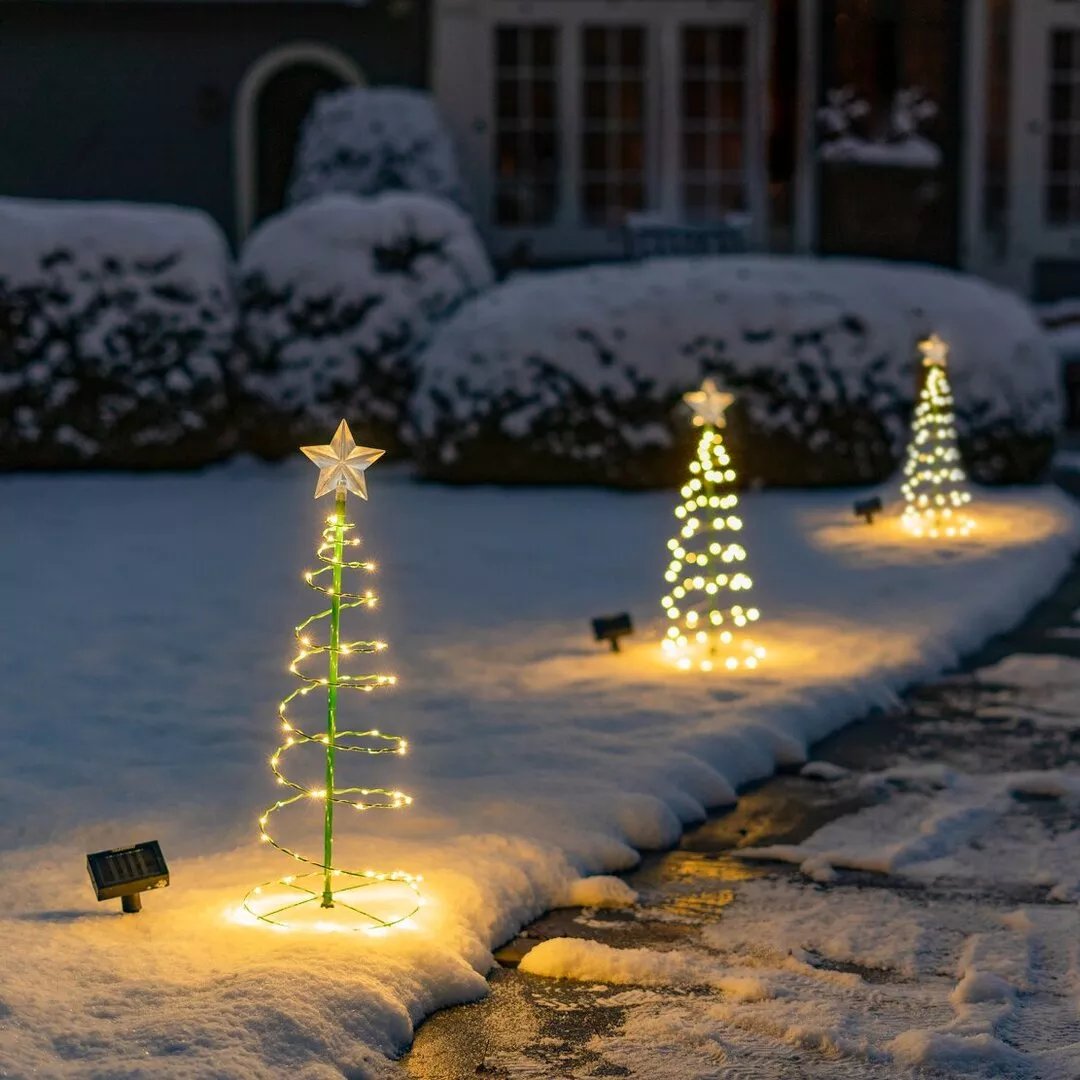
x=708 y=611
x=935 y=483
x=389 y=897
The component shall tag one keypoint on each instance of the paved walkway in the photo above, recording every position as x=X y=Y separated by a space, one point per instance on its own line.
x=924 y=916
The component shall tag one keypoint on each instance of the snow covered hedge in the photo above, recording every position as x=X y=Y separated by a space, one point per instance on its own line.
x=364 y=141
x=337 y=297
x=576 y=376
x=116 y=327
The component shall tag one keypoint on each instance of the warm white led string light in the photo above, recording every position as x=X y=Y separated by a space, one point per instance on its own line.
x=341 y=470
x=707 y=604
x=935 y=484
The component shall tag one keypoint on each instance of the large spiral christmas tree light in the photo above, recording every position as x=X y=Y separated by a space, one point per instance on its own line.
x=935 y=485
x=366 y=899
x=705 y=602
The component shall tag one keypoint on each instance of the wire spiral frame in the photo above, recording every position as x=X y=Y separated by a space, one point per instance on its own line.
x=705 y=602
x=338 y=886
x=935 y=485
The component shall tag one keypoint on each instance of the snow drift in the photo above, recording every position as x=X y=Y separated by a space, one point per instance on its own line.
x=575 y=376
x=116 y=330
x=338 y=295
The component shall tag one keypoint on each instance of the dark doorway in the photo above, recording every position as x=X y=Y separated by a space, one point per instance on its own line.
x=889 y=129
x=284 y=100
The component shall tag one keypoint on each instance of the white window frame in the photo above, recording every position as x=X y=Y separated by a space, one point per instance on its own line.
x=464 y=82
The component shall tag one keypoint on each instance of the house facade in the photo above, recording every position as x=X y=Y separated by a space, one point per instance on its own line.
x=945 y=131
x=196 y=102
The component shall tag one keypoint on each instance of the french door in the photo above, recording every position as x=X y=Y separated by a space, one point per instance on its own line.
x=1046 y=149
x=888 y=150
x=600 y=111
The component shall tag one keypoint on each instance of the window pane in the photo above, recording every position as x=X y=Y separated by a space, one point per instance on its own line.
x=713 y=129
x=507 y=46
x=732 y=49
x=1061 y=50
x=613 y=122
x=595 y=47
x=526 y=124
x=1062 y=194
x=543 y=42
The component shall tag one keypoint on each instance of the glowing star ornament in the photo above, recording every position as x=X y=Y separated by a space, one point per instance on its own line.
x=935 y=485
x=709 y=404
x=366 y=899
x=707 y=603
x=342 y=463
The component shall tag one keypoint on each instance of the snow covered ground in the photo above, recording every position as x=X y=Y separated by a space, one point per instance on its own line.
x=149 y=625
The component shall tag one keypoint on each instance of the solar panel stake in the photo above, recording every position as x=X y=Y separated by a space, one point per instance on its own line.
x=127 y=872
x=868 y=508
x=610 y=628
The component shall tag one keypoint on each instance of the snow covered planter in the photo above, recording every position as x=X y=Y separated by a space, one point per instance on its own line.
x=363 y=141
x=337 y=296
x=576 y=376
x=116 y=327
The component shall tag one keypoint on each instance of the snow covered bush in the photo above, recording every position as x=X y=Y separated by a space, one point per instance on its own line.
x=576 y=375
x=337 y=296
x=116 y=328
x=365 y=140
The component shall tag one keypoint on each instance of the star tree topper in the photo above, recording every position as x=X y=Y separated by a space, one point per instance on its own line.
x=935 y=351
x=709 y=404
x=342 y=463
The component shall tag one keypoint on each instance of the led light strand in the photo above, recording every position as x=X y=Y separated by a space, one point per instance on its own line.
x=935 y=485
x=705 y=604
x=327 y=580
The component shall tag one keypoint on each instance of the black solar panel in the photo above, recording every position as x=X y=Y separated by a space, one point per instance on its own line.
x=127 y=870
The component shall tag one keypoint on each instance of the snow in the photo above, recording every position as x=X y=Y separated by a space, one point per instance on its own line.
x=932 y=816
x=339 y=294
x=369 y=140
x=944 y=1051
x=600 y=891
x=153 y=619
x=823 y=770
x=980 y=986
x=913 y=152
x=1056 y=678
x=845 y=120
x=121 y=320
x=592 y=961
x=576 y=374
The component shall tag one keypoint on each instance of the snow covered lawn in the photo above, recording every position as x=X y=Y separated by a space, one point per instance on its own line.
x=148 y=626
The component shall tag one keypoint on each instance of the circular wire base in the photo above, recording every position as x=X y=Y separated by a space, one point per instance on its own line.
x=363 y=902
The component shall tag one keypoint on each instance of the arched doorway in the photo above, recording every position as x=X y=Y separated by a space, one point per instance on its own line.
x=275 y=95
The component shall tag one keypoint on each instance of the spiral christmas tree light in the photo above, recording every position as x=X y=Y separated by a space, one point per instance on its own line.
x=705 y=604
x=935 y=486
x=369 y=899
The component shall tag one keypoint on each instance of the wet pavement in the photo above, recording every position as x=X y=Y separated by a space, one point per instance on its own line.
x=537 y=1027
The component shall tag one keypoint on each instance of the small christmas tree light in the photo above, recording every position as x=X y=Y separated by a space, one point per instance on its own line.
x=706 y=603
x=935 y=484
x=388 y=898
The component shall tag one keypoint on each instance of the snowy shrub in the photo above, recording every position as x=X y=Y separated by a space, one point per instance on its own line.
x=116 y=329
x=576 y=376
x=337 y=296
x=364 y=141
